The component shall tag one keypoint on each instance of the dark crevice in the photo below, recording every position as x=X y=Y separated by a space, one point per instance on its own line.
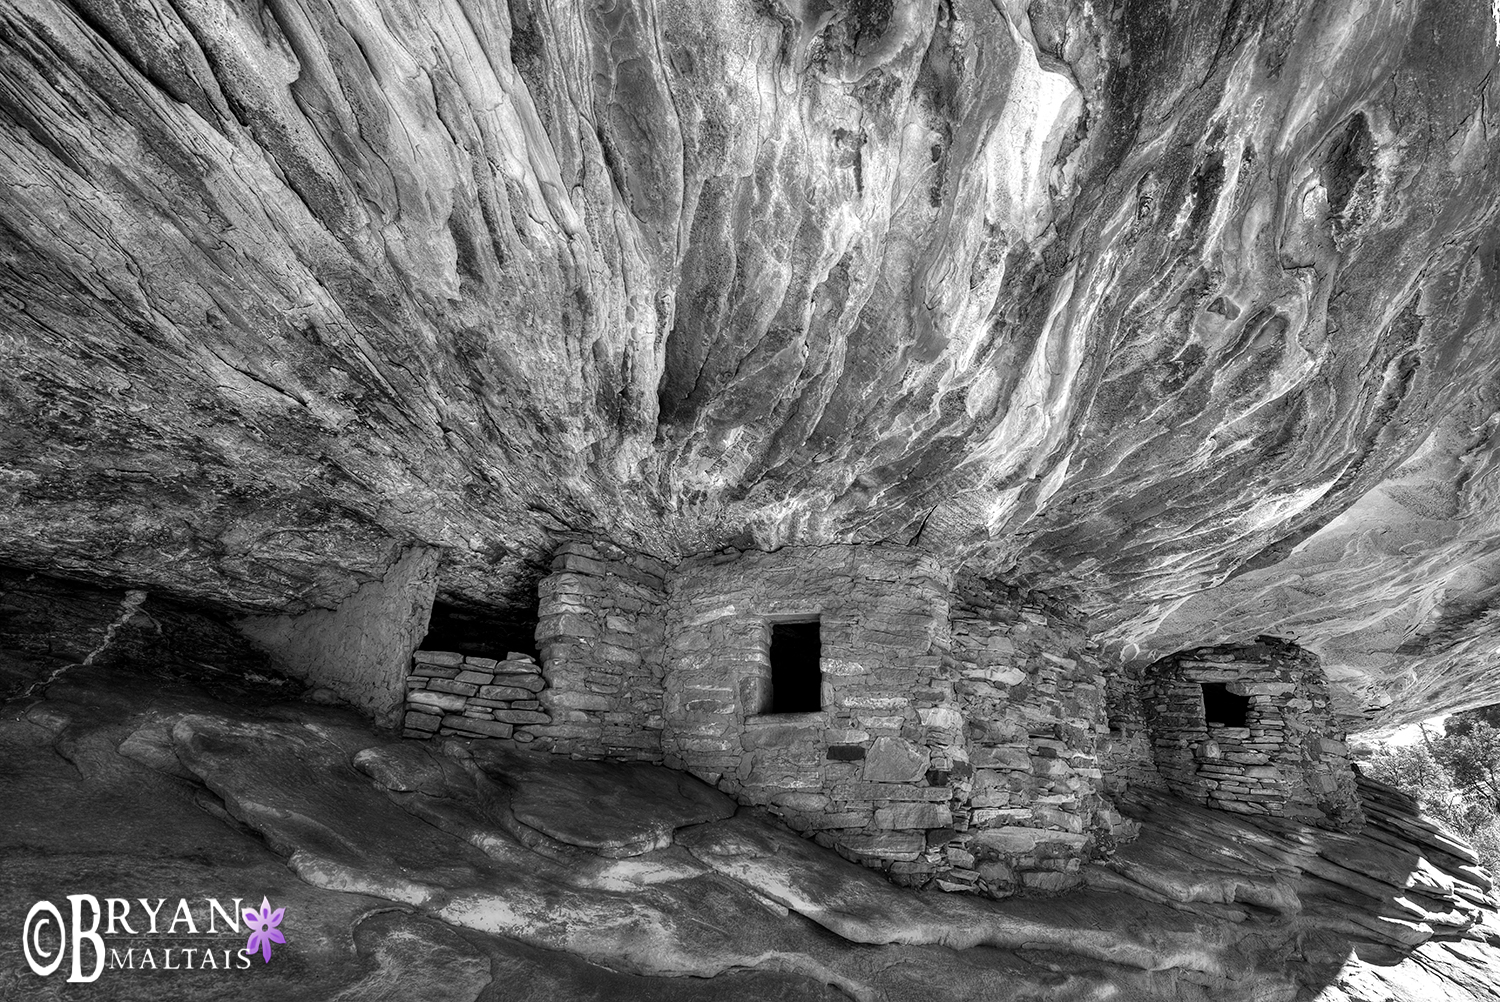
x=1349 y=158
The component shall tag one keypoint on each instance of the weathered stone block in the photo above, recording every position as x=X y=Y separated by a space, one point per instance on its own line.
x=1051 y=768
x=1049 y=881
x=440 y=700
x=894 y=760
x=941 y=718
x=824 y=822
x=889 y=791
x=842 y=668
x=1329 y=746
x=914 y=815
x=863 y=702
x=775 y=732
x=503 y=692
x=1008 y=757
x=1017 y=841
x=782 y=776
x=569 y=731
x=576 y=700
x=996 y=675
x=421 y=721
x=445 y=659
x=884 y=845
x=522 y=716
x=482 y=728
x=1242 y=688
x=567 y=624
x=475 y=677
x=453 y=686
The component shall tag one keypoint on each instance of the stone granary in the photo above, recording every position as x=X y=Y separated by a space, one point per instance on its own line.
x=941 y=727
x=1248 y=729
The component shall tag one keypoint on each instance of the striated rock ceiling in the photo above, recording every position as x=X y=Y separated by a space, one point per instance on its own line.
x=1185 y=308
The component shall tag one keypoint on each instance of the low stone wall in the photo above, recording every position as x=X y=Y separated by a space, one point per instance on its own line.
x=474 y=697
x=1288 y=761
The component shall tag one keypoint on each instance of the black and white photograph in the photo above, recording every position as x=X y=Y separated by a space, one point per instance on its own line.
x=749 y=500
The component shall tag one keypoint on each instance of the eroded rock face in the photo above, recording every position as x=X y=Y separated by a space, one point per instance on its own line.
x=1124 y=300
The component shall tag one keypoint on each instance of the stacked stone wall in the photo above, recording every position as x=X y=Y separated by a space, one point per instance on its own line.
x=474 y=697
x=856 y=772
x=1032 y=696
x=957 y=743
x=601 y=638
x=1126 y=754
x=1288 y=761
x=960 y=727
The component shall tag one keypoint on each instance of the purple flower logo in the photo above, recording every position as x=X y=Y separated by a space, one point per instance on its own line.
x=263 y=929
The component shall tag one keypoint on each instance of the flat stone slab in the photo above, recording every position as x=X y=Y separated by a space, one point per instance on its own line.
x=613 y=809
x=861 y=906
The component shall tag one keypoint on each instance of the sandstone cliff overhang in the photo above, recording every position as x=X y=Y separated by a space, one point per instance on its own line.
x=1128 y=303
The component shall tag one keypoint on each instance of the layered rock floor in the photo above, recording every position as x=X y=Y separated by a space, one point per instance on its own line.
x=456 y=870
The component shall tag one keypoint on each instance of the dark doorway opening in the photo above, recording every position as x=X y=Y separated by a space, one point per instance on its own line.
x=796 y=671
x=1220 y=706
x=488 y=633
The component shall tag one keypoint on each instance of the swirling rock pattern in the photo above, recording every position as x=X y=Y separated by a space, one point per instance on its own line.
x=1126 y=299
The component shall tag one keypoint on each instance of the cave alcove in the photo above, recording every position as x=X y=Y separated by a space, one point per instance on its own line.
x=475 y=632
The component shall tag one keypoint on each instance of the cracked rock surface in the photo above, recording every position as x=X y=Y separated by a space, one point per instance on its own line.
x=1186 y=308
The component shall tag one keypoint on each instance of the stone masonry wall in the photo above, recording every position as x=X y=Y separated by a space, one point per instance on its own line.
x=868 y=772
x=957 y=743
x=1032 y=698
x=601 y=638
x=473 y=697
x=1288 y=762
x=960 y=726
x=1126 y=755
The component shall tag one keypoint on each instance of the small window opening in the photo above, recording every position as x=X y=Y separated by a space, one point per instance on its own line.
x=1220 y=706
x=796 y=671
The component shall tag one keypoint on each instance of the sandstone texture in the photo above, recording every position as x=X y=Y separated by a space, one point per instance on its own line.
x=462 y=870
x=1185 y=307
